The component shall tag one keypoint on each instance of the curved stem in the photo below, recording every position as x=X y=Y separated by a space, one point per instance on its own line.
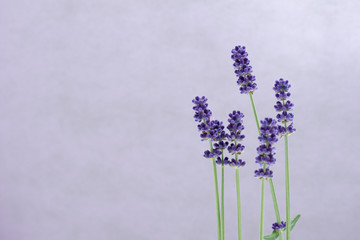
x=254 y=110
x=216 y=196
x=276 y=207
x=262 y=209
x=238 y=202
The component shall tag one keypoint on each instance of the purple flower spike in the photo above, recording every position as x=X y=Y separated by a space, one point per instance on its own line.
x=214 y=130
x=266 y=151
x=202 y=115
x=243 y=70
x=284 y=116
x=279 y=226
x=200 y=108
x=235 y=127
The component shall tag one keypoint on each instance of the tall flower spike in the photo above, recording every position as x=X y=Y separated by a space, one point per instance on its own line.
x=200 y=108
x=235 y=127
x=283 y=106
x=243 y=70
x=266 y=151
x=209 y=129
x=212 y=130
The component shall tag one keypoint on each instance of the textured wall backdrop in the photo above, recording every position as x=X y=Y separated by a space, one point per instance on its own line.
x=97 y=139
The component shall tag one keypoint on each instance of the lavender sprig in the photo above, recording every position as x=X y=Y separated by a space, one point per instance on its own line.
x=243 y=70
x=209 y=131
x=282 y=94
x=243 y=54
x=268 y=131
x=235 y=127
x=283 y=106
x=220 y=146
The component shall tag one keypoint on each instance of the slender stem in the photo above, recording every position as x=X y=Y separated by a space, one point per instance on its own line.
x=262 y=209
x=254 y=110
x=238 y=202
x=222 y=199
x=287 y=187
x=216 y=196
x=276 y=207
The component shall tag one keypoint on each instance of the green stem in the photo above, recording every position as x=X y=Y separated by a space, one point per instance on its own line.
x=287 y=187
x=262 y=209
x=238 y=202
x=222 y=199
x=276 y=207
x=254 y=110
x=216 y=196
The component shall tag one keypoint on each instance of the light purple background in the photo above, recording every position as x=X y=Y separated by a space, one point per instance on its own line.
x=97 y=139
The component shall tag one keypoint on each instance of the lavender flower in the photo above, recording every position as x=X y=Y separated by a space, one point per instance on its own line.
x=284 y=116
x=210 y=129
x=216 y=131
x=236 y=148
x=261 y=173
x=221 y=145
x=243 y=70
x=235 y=127
x=237 y=163
x=268 y=136
x=202 y=115
x=201 y=111
x=209 y=154
x=279 y=226
x=221 y=162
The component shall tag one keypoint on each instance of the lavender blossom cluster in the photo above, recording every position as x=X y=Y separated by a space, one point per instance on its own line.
x=279 y=226
x=284 y=106
x=266 y=151
x=243 y=70
x=235 y=127
x=213 y=130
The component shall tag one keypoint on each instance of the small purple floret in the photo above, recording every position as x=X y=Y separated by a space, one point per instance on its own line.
x=215 y=153
x=237 y=163
x=279 y=226
x=260 y=173
x=223 y=163
x=236 y=149
x=281 y=85
x=221 y=145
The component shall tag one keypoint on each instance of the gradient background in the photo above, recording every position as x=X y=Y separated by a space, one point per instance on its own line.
x=97 y=138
